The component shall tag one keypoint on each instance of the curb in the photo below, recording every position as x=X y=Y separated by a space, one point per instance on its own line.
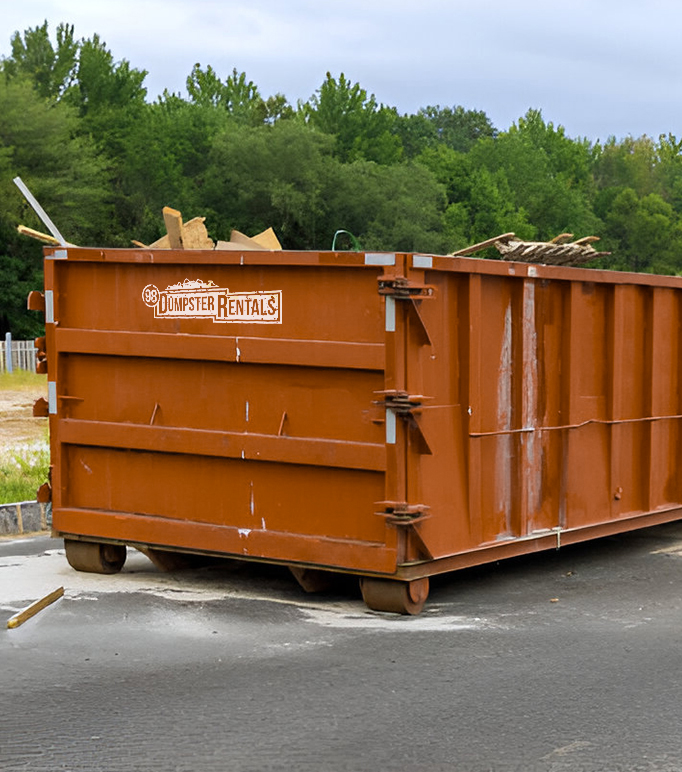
x=25 y=517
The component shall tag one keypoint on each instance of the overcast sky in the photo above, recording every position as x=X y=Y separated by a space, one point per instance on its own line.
x=597 y=67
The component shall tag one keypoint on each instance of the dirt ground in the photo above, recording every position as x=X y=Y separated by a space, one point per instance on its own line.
x=17 y=424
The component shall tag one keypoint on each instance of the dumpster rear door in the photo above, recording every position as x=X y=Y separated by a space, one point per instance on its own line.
x=224 y=402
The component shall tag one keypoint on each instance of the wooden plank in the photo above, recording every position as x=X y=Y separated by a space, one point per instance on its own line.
x=162 y=243
x=195 y=235
x=481 y=245
x=264 y=240
x=267 y=239
x=34 y=608
x=44 y=237
x=173 y=221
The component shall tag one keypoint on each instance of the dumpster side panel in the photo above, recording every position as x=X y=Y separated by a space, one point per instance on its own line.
x=551 y=407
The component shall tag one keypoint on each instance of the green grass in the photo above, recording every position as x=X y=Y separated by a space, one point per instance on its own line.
x=22 y=380
x=23 y=469
x=24 y=466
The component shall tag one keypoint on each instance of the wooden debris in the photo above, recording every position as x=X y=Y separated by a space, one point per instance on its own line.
x=34 y=608
x=44 y=237
x=193 y=235
x=268 y=239
x=561 y=238
x=481 y=245
x=239 y=241
x=173 y=221
x=189 y=235
x=554 y=252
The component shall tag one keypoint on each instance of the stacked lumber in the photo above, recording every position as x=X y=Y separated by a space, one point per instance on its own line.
x=558 y=251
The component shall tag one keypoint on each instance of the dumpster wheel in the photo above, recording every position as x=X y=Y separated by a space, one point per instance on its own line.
x=393 y=595
x=94 y=557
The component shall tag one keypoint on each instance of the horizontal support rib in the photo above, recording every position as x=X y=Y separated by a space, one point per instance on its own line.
x=228 y=540
x=236 y=445
x=220 y=348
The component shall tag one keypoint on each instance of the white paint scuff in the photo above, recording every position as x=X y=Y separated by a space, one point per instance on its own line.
x=504 y=450
x=532 y=461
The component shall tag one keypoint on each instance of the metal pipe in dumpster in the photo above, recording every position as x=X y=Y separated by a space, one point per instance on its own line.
x=392 y=416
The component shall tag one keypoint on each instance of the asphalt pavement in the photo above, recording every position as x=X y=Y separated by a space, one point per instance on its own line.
x=566 y=661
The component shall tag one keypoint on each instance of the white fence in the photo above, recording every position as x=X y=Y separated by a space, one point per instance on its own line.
x=23 y=353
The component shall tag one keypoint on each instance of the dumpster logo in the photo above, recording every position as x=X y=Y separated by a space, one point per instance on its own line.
x=204 y=300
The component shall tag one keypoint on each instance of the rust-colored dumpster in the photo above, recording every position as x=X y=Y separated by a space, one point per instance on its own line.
x=392 y=416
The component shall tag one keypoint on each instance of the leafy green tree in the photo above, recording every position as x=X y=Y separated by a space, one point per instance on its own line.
x=417 y=135
x=240 y=98
x=452 y=127
x=458 y=128
x=407 y=211
x=165 y=156
x=492 y=208
x=363 y=128
x=38 y=142
x=480 y=202
x=109 y=97
x=451 y=168
x=205 y=87
x=269 y=176
x=629 y=163
x=549 y=175
x=644 y=233
x=669 y=170
x=102 y=85
x=393 y=208
x=50 y=68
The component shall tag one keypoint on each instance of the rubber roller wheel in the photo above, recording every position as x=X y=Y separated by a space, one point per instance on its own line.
x=95 y=558
x=392 y=595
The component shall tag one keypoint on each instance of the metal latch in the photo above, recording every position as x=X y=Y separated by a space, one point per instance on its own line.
x=402 y=513
x=401 y=288
x=402 y=403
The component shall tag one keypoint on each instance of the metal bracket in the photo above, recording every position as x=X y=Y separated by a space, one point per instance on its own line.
x=400 y=288
x=35 y=301
x=401 y=402
x=407 y=517
x=403 y=514
x=408 y=407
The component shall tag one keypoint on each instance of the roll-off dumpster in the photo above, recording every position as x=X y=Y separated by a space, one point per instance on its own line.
x=392 y=416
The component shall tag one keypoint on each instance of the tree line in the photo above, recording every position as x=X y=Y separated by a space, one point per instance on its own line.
x=77 y=126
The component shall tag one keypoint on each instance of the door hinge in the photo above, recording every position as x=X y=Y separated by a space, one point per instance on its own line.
x=408 y=407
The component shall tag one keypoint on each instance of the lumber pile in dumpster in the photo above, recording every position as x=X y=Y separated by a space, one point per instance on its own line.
x=558 y=251
x=193 y=235
x=183 y=235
